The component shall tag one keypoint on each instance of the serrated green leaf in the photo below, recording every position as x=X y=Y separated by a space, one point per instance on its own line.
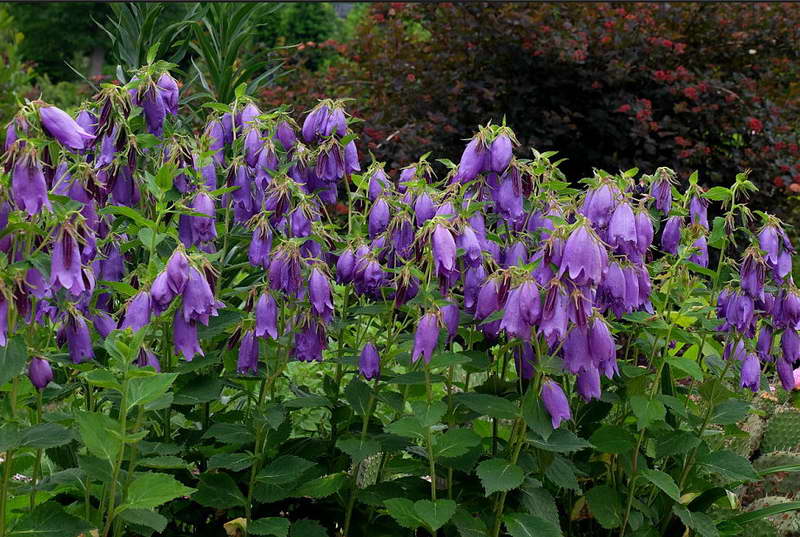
x=647 y=411
x=144 y=390
x=230 y=461
x=435 y=514
x=321 y=486
x=455 y=442
x=284 y=469
x=613 y=439
x=499 y=475
x=49 y=520
x=150 y=489
x=488 y=405
x=13 y=358
x=560 y=441
x=98 y=433
x=219 y=491
x=357 y=449
x=525 y=525
x=605 y=505
x=663 y=481
x=276 y=526
x=402 y=510
x=701 y=523
x=45 y=435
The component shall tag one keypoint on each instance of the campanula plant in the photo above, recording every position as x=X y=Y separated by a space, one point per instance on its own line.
x=251 y=328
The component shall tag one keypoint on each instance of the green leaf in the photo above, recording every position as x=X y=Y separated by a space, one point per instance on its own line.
x=202 y=389
x=560 y=441
x=455 y=442
x=164 y=462
x=488 y=405
x=129 y=213
x=308 y=528
x=143 y=390
x=284 y=469
x=663 y=481
x=307 y=401
x=98 y=433
x=150 y=489
x=230 y=433
x=538 y=501
x=322 y=486
x=428 y=414
x=276 y=526
x=562 y=472
x=219 y=491
x=499 y=474
x=468 y=525
x=718 y=193
x=613 y=439
x=646 y=410
x=358 y=395
x=50 y=520
x=145 y=517
x=701 y=523
x=402 y=510
x=605 y=505
x=230 y=461
x=409 y=427
x=730 y=411
x=524 y=525
x=46 y=435
x=13 y=358
x=435 y=514
x=687 y=366
x=758 y=514
x=729 y=464
x=536 y=417
x=357 y=449
x=675 y=443
x=102 y=378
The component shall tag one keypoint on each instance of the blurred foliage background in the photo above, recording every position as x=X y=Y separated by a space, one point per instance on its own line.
x=707 y=86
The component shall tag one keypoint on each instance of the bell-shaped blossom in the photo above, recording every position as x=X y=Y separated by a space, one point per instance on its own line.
x=313 y=123
x=65 y=267
x=248 y=115
x=524 y=360
x=285 y=134
x=319 y=292
x=345 y=266
x=555 y=402
x=378 y=183
x=785 y=374
x=508 y=197
x=787 y=310
x=124 y=190
x=309 y=342
x=426 y=337
x=764 y=343
x=751 y=274
x=216 y=134
x=577 y=356
x=700 y=255
x=378 y=219
x=40 y=373
x=184 y=337
x=735 y=351
x=500 y=153
x=266 y=316
x=78 y=339
x=104 y=323
x=247 y=363
x=554 y=319
x=598 y=205
x=444 y=252
x=137 y=313
x=698 y=211
x=161 y=295
x=473 y=161
x=588 y=384
x=198 y=300
x=602 y=347
x=750 y=373
x=260 y=247
x=473 y=279
x=661 y=190
x=284 y=272
x=584 y=258
x=147 y=358
x=369 y=363
x=423 y=209
x=29 y=188
x=790 y=345
x=169 y=93
x=671 y=236
x=63 y=128
x=252 y=146
x=622 y=229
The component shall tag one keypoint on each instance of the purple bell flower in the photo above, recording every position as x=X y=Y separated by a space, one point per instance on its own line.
x=152 y=103
x=584 y=258
x=198 y=300
x=146 y=358
x=63 y=128
x=469 y=242
x=78 y=339
x=252 y=146
x=286 y=135
x=248 y=354
x=751 y=373
x=170 y=93
x=351 y=164
x=508 y=198
x=249 y=115
x=790 y=345
x=661 y=190
x=266 y=317
x=524 y=360
x=65 y=269
x=40 y=373
x=87 y=121
x=378 y=183
x=598 y=205
x=284 y=272
x=184 y=337
x=751 y=274
x=671 y=236
x=698 y=211
x=309 y=342
x=345 y=266
x=785 y=374
x=103 y=323
x=426 y=337
x=473 y=161
x=577 y=356
x=423 y=209
x=451 y=317
x=161 y=295
x=500 y=153
x=29 y=188
x=378 y=219
x=588 y=384
x=554 y=319
x=700 y=256
x=444 y=252
x=735 y=351
x=313 y=122
x=764 y=343
x=787 y=311
x=177 y=271
x=602 y=347
x=555 y=402
x=473 y=279
x=319 y=291
x=260 y=247
x=216 y=134
x=622 y=229
x=369 y=363
x=137 y=314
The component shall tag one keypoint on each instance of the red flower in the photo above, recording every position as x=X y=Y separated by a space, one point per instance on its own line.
x=690 y=92
x=624 y=108
x=754 y=124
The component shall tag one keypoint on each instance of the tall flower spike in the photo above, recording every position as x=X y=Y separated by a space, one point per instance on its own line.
x=555 y=402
